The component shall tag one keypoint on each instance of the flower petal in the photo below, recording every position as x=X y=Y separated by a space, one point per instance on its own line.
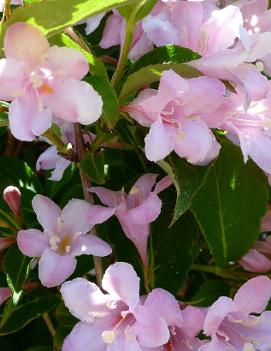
x=216 y=314
x=84 y=300
x=107 y=197
x=26 y=120
x=111 y=33
x=85 y=106
x=99 y=214
x=66 y=62
x=255 y=262
x=82 y=336
x=47 y=212
x=253 y=296
x=25 y=42
x=32 y=242
x=55 y=269
x=158 y=143
x=121 y=282
x=5 y=293
x=90 y=245
x=12 y=78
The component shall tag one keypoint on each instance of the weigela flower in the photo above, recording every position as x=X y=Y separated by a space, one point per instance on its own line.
x=64 y=237
x=12 y=197
x=118 y=320
x=5 y=293
x=179 y=118
x=137 y=209
x=233 y=325
x=42 y=82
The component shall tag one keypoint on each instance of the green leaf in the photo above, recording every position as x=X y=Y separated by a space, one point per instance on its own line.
x=110 y=101
x=22 y=314
x=210 y=291
x=143 y=10
x=152 y=74
x=3 y=119
x=230 y=205
x=174 y=248
x=16 y=266
x=165 y=54
x=53 y=16
x=187 y=179
x=64 y=317
x=92 y=165
x=96 y=66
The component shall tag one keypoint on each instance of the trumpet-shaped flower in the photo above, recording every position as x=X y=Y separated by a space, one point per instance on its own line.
x=137 y=209
x=233 y=325
x=179 y=118
x=118 y=320
x=5 y=293
x=42 y=82
x=64 y=237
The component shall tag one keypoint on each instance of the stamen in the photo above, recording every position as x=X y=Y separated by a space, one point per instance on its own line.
x=54 y=241
x=108 y=337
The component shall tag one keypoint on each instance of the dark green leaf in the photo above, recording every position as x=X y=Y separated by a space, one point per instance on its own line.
x=165 y=54
x=143 y=10
x=230 y=205
x=92 y=166
x=22 y=314
x=174 y=248
x=110 y=101
x=64 y=317
x=210 y=291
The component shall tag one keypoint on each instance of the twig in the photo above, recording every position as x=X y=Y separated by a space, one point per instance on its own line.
x=49 y=323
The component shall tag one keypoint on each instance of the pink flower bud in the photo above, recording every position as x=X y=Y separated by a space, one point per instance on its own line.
x=12 y=196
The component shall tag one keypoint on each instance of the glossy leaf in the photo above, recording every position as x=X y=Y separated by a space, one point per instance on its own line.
x=230 y=205
x=92 y=165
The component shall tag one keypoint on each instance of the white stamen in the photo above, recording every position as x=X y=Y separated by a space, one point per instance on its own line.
x=54 y=241
x=108 y=337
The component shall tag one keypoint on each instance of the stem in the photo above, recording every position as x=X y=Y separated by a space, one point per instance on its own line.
x=49 y=323
x=6 y=11
x=80 y=148
x=49 y=134
x=224 y=273
x=129 y=34
x=146 y=273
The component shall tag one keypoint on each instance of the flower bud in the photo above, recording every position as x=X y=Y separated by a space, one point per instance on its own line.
x=12 y=197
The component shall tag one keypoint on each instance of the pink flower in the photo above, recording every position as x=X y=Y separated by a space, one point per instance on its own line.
x=258 y=259
x=5 y=293
x=137 y=209
x=179 y=119
x=250 y=127
x=233 y=325
x=64 y=237
x=12 y=197
x=13 y=2
x=184 y=326
x=118 y=320
x=40 y=80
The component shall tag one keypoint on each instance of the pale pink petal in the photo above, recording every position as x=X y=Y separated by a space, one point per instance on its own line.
x=84 y=299
x=99 y=214
x=216 y=314
x=160 y=30
x=47 y=212
x=163 y=184
x=255 y=262
x=90 y=245
x=85 y=106
x=111 y=34
x=82 y=336
x=137 y=233
x=266 y=221
x=165 y=304
x=193 y=320
x=196 y=142
x=146 y=212
x=221 y=30
x=66 y=62
x=188 y=18
x=5 y=293
x=93 y=23
x=158 y=142
x=151 y=329
x=144 y=184
x=107 y=197
x=25 y=42
x=26 y=120
x=54 y=269
x=12 y=78
x=142 y=46
x=121 y=282
x=32 y=242
x=253 y=296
